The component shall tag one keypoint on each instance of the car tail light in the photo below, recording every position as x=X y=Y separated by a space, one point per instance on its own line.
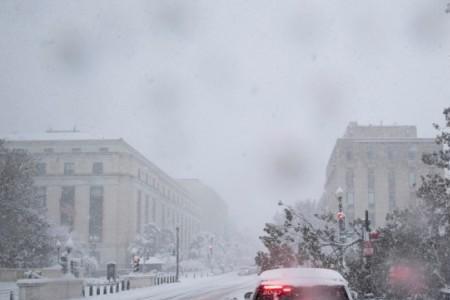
x=275 y=289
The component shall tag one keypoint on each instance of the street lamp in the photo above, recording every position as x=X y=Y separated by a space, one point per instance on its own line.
x=69 y=246
x=340 y=215
x=341 y=219
x=339 y=192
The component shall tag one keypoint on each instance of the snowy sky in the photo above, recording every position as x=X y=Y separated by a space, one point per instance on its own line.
x=249 y=96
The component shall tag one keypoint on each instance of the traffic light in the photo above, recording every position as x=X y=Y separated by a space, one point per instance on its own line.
x=136 y=265
x=340 y=216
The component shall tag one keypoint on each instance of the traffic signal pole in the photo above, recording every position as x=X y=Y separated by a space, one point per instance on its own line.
x=177 y=274
x=366 y=240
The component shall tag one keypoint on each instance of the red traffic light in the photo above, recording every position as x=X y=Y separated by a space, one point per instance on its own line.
x=340 y=216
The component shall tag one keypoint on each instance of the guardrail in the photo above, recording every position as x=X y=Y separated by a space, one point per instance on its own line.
x=94 y=289
x=113 y=287
x=196 y=274
x=8 y=294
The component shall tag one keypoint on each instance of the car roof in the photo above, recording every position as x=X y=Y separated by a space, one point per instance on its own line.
x=303 y=277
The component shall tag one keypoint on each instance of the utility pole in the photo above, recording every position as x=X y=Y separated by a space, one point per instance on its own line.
x=177 y=274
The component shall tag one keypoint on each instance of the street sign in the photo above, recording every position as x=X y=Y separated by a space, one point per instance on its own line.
x=374 y=235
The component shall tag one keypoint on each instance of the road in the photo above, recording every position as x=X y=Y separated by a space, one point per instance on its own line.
x=221 y=287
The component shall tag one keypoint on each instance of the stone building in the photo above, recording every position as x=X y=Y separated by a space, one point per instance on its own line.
x=378 y=167
x=212 y=207
x=104 y=191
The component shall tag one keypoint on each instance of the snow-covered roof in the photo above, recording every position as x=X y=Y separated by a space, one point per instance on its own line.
x=303 y=276
x=154 y=261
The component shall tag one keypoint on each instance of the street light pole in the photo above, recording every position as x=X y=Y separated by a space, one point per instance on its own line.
x=177 y=274
x=58 y=248
x=341 y=220
x=69 y=247
x=340 y=215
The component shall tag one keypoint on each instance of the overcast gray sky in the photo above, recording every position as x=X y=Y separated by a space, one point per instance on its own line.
x=248 y=96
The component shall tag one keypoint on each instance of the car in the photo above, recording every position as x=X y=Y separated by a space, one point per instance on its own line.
x=444 y=294
x=250 y=270
x=301 y=284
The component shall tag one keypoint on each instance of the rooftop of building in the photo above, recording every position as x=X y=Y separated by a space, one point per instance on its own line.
x=356 y=131
x=56 y=135
x=202 y=190
x=53 y=137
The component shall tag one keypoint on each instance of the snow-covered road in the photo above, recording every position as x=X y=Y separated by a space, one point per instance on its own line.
x=221 y=287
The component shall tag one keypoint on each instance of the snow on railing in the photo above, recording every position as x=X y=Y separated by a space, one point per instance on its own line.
x=105 y=288
x=94 y=289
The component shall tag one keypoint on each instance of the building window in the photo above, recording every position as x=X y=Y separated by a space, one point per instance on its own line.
x=371 y=180
x=412 y=152
x=154 y=211
x=76 y=150
x=41 y=169
x=349 y=178
x=147 y=208
x=391 y=190
x=412 y=179
x=370 y=152
x=97 y=168
x=103 y=149
x=390 y=153
x=349 y=154
x=48 y=150
x=67 y=206
x=96 y=213
x=350 y=199
x=40 y=197
x=69 y=168
x=371 y=199
x=163 y=215
x=138 y=212
x=146 y=178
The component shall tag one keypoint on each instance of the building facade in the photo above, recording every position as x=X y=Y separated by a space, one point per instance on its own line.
x=104 y=192
x=212 y=207
x=378 y=167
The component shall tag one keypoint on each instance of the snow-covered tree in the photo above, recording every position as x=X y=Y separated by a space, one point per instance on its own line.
x=302 y=237
x=147 y=244
x=167 y=243
x=24 y=233
x=280 y=253
x=80 y=252
x=418 y=239
x=435 y=195
x=201 y=246
x=210 y=250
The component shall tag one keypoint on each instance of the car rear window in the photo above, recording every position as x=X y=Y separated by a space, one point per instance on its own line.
x=308 y=293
